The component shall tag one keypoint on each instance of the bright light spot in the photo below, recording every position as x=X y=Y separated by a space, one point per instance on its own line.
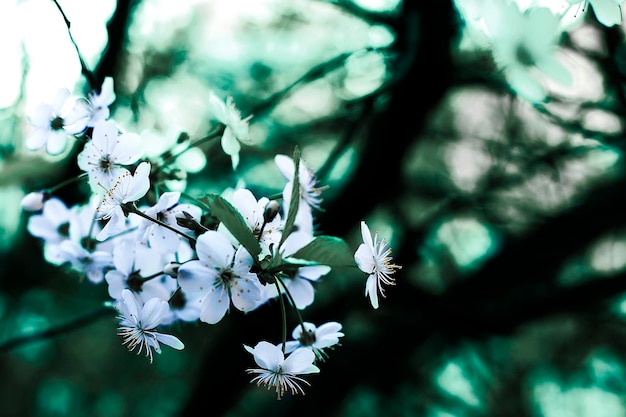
x=467 y=162
x=609 y=256
x=10 y=213
x=467 y=240
x=52 y=60
x=380 y=36
x=10 y=51
x=602 y=121
x=453 y=380
x=194 y=160
x=576 y=402
x=366 y=72
x=378 y=5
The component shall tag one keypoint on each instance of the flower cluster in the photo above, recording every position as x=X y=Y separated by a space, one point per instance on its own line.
x=526 y=42
x=166 y=256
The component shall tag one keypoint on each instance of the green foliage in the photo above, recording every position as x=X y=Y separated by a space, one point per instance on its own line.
x=233 y=221
x=326 y=250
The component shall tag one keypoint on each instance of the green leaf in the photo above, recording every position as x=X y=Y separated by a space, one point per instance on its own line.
x=326 y=250
x=233 y=221
x=295 y=198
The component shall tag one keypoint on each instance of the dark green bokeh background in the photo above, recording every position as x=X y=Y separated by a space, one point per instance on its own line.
x=507 y=220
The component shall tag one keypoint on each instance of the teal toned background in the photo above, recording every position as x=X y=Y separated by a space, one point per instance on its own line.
x=507 y=219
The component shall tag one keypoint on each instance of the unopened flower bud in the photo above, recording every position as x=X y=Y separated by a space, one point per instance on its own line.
x=183 y=137
x=271 y=210
x=34 y=201
x=186 y=220
x=171 y=269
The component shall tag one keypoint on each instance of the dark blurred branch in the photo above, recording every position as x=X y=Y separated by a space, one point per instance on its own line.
x=421 y=75
x=117 y=29
x=68 y=327
x=313 y=74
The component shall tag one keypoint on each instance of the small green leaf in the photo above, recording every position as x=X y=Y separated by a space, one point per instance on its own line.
x=233 y=221
x=326 y=250
x=295 y=198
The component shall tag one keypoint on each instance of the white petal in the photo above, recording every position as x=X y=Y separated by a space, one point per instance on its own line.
x=246 y=294
x=371 y=290
x=171 y=341
x=57 y=142
x=139 y=183
x=153 y=312
x=37 y=139
x=128 y=150
x=214 y=306
x=285 y=165
x=218 y=108
x=131 y=305
x=300 y=362
x=302 y=292
x=364 y=258
x=215 y=249
x=268 y=356
x=104 y=137
x=193 y=276
x=366 y=235
x=608 y=12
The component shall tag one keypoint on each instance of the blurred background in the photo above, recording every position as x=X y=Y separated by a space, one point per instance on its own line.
x=507 y=217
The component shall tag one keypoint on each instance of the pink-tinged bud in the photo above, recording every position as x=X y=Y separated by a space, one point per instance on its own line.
x=34 y=201
x=171 y=269
x=271 y=210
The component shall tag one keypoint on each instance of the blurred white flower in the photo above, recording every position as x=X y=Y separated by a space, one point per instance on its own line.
x=99 y=102
x=525 y=44
x=236 y=129
x=608 y=12
x=55 y=121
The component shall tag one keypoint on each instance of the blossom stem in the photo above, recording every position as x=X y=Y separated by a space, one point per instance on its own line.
x=66 y=182
x=291 y=300
x=275 y=196
x=213 y=135
x=283 y=316
x=83 y=65
x=132 y=209
x=149 y=277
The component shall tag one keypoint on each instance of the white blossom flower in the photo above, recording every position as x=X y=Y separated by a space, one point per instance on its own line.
x=608 y=12
x=132 y=263
x=138 y=325
x=100 y=102
x=53 y=224
x=222 y=275
x=315 y=338
x=252 y=212
x=279 y=372
x=374 y=258
x=309 y=191
x=236 y=129
x=524 y=45
x=299 y=281
x=105 y=154
x=92 y=263
x=54 y=122
x=127 y=188
x=165 y=210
